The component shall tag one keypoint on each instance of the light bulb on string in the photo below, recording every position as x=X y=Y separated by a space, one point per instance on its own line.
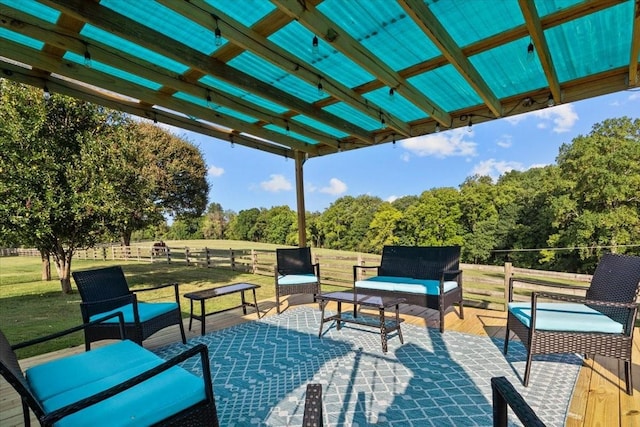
x=315 y=48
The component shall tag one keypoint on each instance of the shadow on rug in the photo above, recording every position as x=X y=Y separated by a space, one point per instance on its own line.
x=260 y=370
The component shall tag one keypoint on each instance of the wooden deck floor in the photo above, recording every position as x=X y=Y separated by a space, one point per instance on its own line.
x=598 y=399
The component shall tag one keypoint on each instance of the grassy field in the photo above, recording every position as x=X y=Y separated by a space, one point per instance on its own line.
x=30 y=307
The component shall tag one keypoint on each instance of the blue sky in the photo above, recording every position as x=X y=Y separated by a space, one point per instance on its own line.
x=243 y=178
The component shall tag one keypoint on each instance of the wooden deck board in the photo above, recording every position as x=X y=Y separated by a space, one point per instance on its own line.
x=598 y=398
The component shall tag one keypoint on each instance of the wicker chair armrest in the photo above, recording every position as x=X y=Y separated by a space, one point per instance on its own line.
x=544 y=283
x=164 y=285
x=72 y=330
x=504 y=394
x=366 y=266
x=200 y=349
x=537 y=282
x=583 y=300
x=154 y=288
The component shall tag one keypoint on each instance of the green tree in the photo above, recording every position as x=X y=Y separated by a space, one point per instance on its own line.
x=215 y=222
x=346 y=222
x=479 y=217
x=382 y=228
x=279 y=223
x=242 y=227
x=601 y=178
x=60 y=162
x=166 y=179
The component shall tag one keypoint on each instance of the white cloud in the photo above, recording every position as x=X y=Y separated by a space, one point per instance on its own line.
x=392 y=199
x=634 y=95
x=405 y=157
x=563 y=117
x=335 y=187
x=495 y=168
x=505 y=141
x=441 y=145
x=215 y=171
x=276 y=183
x=538 y=165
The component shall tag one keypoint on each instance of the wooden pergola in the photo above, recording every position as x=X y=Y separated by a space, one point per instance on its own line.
x=308 y=78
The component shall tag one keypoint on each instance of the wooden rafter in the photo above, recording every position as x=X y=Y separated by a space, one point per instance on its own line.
x=342 y=41
x=634 y=79
x=532 y=22
x=126 y=28
x=427 y=21
x=248 y=39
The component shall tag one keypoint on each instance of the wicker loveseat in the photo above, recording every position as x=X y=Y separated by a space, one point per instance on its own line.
x=120 y=383
x=428 y=276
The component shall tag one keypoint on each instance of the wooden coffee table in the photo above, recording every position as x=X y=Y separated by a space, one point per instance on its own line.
x=206 y=294
x=381 y=303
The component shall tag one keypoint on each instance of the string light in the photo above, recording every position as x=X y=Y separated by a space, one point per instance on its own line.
x=287 y=126
x=550 y=101
x=155 y=118
x=392 y=92
x=47 y=94
x=231 y=140
x=470 y=124
x=320 y=88
x=437 y=128
x=209 y=100
x=530 y=51
x=315 y=49
x=217 y=32
x=87 y=56
x=382 y=120
x=394 y=140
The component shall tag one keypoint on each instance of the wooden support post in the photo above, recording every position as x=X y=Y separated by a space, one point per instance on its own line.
x=186 y=255
x=208 y=256
x=508 y=272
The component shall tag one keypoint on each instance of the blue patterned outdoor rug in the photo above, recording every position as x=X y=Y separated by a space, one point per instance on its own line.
x=260 y=370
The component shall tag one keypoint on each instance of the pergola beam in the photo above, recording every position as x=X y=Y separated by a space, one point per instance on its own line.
x=427 y=21
x=319 y=24
x=128 y=29
x=634 y=80
x=252 y=41
x=532 y=22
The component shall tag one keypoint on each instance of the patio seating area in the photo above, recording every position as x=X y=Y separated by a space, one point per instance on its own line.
x=599 y=394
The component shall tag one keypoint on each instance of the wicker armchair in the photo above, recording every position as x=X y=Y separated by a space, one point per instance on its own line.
x=295 y=273
x=504 y=396
x=601 y=323
x=95 y=388
x=105 y=290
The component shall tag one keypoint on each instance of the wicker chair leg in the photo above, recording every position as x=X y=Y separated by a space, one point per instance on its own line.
x=527 y=369
x=506 y=340
x=277 y=300
x=26 y=414
x=441 y=321
x=628 y=377
x=461 y=305
x=184 y=337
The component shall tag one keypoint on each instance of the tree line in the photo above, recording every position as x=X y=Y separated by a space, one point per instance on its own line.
x=74 y=174
x=587 y=203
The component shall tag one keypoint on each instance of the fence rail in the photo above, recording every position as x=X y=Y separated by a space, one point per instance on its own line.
x=484 y=285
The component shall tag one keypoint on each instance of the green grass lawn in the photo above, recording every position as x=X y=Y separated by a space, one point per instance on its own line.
x=30 y=307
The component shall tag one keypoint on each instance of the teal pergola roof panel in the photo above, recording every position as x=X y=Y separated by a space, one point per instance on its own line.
x=384 y=28
x=320 y=126
x=605 y=35
x=298 y=41
x=34 y=8
x=547 y=7
x=171 y=23
x=113 y=71
x=291 y=134
x=230 y=89
x=272 y=75
x=470 y=21
x=354 y=116
x=21 y=39
x=100 y=36
x=247 y=12
x=508 y=78
x=395 y=104
x=202 y=102
x=447 y=88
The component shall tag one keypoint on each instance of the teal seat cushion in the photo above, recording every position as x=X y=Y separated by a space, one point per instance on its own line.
x=65 y=381
x=297 y=279
x=405 y=284
x=57 y=376
x=146 y=311
x=570 y=317
x=144 y=404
